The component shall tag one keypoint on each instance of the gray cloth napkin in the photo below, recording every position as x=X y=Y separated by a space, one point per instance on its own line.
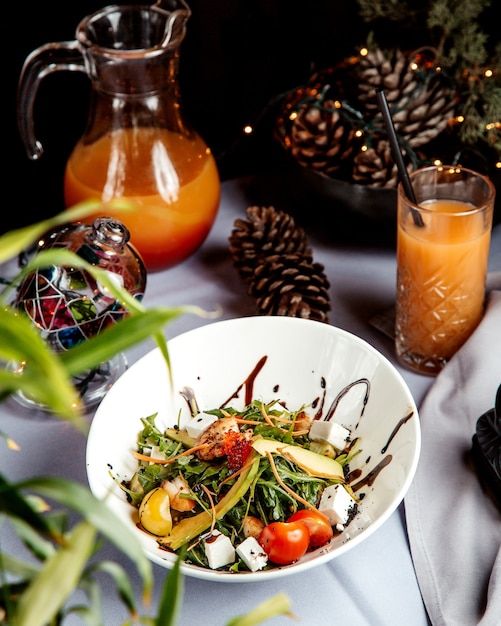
x=454 y=527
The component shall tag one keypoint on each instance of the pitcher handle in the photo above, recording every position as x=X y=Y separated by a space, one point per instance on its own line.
x=49 y=58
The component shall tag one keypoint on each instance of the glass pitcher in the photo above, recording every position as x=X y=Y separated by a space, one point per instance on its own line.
x=137 y=144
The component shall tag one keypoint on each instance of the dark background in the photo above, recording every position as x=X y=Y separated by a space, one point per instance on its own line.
x=237 y=58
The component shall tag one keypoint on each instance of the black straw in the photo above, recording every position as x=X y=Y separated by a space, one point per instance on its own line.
x=397 y=154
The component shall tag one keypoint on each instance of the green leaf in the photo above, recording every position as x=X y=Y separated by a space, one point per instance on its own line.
x=45 y=381
x=61 y=257
x=17 y=568
x=121 y=336
x=35 y=541
x=16 y=241
x=58 y=578
x=172 y=595
x=279 y=604
x=91 y=612
x=81 y=500
x=14 y=504
x=46 y=376
x=121 y=580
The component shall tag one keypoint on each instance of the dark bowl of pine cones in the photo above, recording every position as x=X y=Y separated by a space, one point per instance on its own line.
x=335 y=141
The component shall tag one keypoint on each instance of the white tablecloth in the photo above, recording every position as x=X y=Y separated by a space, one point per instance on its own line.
x=465 y=552
x=373 y=584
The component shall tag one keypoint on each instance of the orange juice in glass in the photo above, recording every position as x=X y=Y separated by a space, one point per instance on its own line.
x=170 y=179
x=442 y=255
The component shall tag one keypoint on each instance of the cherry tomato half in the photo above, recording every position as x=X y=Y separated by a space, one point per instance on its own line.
x=284 y=542
x=318 y=526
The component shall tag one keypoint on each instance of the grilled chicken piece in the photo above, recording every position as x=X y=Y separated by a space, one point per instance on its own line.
x=216 y=438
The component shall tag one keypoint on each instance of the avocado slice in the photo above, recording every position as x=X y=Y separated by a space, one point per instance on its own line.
x=311 y=462
x=180 y=435
x=191 y=527
x=263 y=445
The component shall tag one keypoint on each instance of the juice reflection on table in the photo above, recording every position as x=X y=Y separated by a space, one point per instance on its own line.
x=172 y=179
x=442 y=269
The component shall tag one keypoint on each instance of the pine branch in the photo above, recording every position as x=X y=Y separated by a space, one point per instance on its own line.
x=392 y=10
x=462 y=49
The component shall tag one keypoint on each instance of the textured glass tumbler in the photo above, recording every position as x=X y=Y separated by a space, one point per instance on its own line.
x=442 y=255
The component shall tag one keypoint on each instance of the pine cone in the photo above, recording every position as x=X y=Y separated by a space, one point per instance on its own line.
x=422 y=115
x=273 y=256
x=421 y=103
x=291 y=285
x=391 y=71
x=375 y=166
x=314 y=125
x=265 y=233
x=320 y=137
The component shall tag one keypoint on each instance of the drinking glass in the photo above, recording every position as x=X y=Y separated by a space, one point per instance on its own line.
x=442 y=255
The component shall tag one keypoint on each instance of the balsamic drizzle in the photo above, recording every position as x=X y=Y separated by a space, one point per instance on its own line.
x=188 y=394
x=248 y=384
x=343 y=392
x=373 y=474
x=395 y=431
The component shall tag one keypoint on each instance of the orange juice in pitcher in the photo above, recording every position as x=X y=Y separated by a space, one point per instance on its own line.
x=137 y=144
x=175 y=195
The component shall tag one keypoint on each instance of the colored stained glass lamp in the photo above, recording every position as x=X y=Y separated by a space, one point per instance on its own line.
x=69 y=306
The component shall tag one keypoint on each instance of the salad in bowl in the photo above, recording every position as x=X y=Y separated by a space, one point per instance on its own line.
x=279 y=444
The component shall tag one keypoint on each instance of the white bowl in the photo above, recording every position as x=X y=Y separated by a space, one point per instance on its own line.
x=307 y=362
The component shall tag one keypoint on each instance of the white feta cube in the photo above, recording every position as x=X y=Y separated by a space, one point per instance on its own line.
x=336 y=504
x=156 y=454
x=277 y=406
x=252 y=554
x=198 y=424
x=218 y=550
x=330 y=432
